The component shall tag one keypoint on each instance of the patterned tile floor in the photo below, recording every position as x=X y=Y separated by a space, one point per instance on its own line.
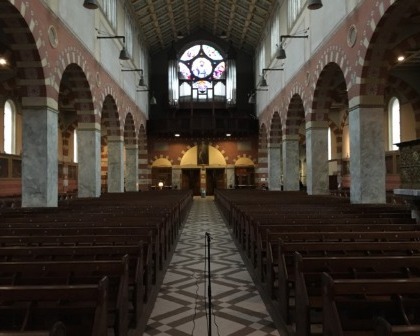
x=181 y=306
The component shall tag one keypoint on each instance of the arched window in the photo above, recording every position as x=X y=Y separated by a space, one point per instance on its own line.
x=75 y=157
x=202 y=73
x=394 y=123
x=329 y=144
x=9 y=127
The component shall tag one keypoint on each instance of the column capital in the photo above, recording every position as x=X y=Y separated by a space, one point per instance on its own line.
x=290 y=137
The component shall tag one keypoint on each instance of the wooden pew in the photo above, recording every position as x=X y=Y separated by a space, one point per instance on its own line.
x=57 y=329
x=384 y=328
x=139 y=256
x=308 y=272
x=351 y=306
x=281 y=258
x=79 y=272
x=82 y=308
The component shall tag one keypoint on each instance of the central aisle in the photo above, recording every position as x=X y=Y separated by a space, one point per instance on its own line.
x=180 y=308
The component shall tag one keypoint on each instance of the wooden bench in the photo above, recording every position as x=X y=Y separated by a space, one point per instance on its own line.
x=82 y=272
x=351 y=306
x=307 y=279
x=384 y=328
x=280 y=260
x=82 y=308
x=140 y=282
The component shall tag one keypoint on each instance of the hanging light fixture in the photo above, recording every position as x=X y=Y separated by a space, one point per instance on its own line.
x=90 y=4
x=152 y=100
x=263 y=82
x=281 y=53
x=314 y=4
x=123 y=53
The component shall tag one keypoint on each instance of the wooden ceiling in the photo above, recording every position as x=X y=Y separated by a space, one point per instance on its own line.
x=243 y=21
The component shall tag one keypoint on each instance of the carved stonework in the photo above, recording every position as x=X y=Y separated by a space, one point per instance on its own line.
x=410 y=164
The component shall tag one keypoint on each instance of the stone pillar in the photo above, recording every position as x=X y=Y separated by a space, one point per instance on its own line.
x=89 y=158
x=131 y=168
x=176 y=178
x=367 y=156
x=274 y=166
x=230 y=177
x=115 y=164
x=317 y=158
x=40 y=158
x=290 y=162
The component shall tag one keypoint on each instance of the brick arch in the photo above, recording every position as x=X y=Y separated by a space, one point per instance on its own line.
x=295 y=115
x=20 y=28
x=379 y=37
x=215 y=145
x=333 y=55
x=275 y=129
x=73 y=60
x=130 y=136
x=110 y=117
x=145 y=175
x=331 y=87
x=262 y=170
x=407 y=94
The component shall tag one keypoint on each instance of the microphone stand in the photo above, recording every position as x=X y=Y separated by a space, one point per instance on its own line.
x=209 y=278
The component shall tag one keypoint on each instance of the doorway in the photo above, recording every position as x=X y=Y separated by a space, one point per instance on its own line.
x=191 y=180
x=215 y=179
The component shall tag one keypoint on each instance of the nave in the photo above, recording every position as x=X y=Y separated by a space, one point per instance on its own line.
x=238 y=308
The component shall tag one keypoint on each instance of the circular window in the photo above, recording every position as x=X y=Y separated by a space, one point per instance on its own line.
x=52 y=36
x=352 y=36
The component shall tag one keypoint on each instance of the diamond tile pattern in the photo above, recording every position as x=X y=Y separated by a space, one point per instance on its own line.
x=180 y=308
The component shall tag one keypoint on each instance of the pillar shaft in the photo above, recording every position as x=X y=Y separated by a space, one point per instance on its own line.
x=291 y=163
x=274 y=167
x=39 y=158
x=89 y=166
x=367 y=157
x=115 y=165
x=131 y=168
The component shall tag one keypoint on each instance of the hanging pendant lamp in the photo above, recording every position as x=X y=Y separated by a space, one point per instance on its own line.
x=90 y=4
x=314 y=4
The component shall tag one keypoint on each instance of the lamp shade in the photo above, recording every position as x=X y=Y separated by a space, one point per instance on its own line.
x=263 y=83
x=251 y=99
x=153 y=100
x=90 y=4
x=281 y=53
x=123 y=54
x=314 y=4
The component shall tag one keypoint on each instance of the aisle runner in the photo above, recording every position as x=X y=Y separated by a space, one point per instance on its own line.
x=180 y=307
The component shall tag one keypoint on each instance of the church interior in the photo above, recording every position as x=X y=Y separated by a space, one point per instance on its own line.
x=145 y=142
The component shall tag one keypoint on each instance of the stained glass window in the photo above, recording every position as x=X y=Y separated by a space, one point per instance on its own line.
x=201 y=67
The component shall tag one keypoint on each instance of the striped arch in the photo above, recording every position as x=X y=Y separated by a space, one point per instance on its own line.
x=295 y=116
x=379 y=37
x=66 y=133
x=110 y=117
x=261 y=173
x=130 y=136
x=215 y=145
x=407 y=94
x=145 y=176
x=27 y=52
x=330 y=92
x=275 y=129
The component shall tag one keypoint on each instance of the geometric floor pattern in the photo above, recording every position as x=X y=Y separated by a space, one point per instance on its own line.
x=181 y=307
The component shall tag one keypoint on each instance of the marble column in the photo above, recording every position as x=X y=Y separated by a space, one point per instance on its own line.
x=230 y=177
x=367 y=156
x=290 y=148
x=131 y=168
x=274 y=166
x=176 y=177
x=40 y=157
x=317 y=158
x=89 y=157
x=115 y=164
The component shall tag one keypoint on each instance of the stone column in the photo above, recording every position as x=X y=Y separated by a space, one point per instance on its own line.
x=115 y=164
x=290 y=147
x=40 y=158
x=89 y=158
x=317 y=158
x=274 y=166
x=131 y=168
x=230 y=177
x=367 y=155
x=176 y=178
